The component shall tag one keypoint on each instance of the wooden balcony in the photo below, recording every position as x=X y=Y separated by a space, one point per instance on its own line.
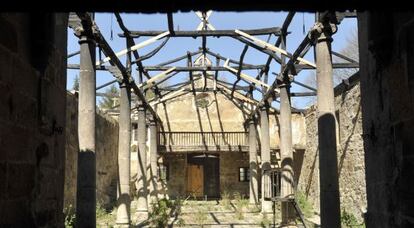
x=202 y=141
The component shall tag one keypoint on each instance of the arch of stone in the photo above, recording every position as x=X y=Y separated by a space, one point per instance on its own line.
x=319 y=37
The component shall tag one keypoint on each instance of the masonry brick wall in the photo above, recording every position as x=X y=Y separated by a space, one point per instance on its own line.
x=351 y=163
x=107 y=130
x=32 y=119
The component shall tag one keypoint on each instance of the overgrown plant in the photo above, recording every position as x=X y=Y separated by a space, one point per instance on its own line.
x=265 y=221
x=225 y=200
x=201 y=216
x=241 y=203
x=350 y=220
x=160 y=213
x=103 y=215
x=70 y=216
x=304 y=205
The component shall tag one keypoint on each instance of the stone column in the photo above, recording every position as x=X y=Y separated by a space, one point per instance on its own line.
x=153 y=160
x=86 y=176
x=265 y=155
x=328 y=176
x=254 y=188
x=124 y=157
x=286 y=154
x=142 y=185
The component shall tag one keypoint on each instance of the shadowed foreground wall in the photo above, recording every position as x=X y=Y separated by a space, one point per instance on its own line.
x=107 y=130
x=387 y=92
x=32 y=119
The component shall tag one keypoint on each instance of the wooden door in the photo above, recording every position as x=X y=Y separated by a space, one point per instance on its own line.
x=195 y=180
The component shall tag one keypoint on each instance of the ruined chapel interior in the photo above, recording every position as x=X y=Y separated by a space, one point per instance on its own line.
x=303 y=121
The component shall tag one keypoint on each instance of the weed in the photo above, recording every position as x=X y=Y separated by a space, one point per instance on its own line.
x=304 y=205
x=349 y=220
x=160 y=213
x=70 y=216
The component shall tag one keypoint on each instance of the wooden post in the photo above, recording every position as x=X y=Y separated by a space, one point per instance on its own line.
x=328 y=166
x=254 y=188
x=86 y=176
x=124 y=157
x=142 y=205
x=265 y=156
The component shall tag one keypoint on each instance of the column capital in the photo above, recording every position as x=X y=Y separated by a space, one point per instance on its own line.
x=140 y=107
x=86 y=38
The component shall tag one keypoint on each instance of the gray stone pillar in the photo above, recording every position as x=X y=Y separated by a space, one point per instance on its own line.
x=86 y=176
x=265 y=157
x=328 y=176
x=142 y=185
x=124 y=157
x=254 y=188
x=286 y=154
x=153 y=159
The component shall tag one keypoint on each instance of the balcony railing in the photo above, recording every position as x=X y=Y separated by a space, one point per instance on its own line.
x=203 y=138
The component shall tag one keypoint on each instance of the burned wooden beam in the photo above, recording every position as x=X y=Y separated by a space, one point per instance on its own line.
x=239 y=69
x=215 y=33
x=218 y=56
x=113 y=59
x=200 y=68
x=304 y=85
x=170 y=23
x=179 y=58
x=261 y=49
x=299 y=67
x=73 y=54
x=344 y=57
x=284 y=32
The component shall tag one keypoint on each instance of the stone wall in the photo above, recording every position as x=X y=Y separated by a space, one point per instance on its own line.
x=32 y=119
x=229 y=173
x=351 y=165
x=387 y=91
x=106 y=155
x=229 y=163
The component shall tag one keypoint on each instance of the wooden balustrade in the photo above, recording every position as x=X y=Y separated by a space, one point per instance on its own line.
x=203 y=138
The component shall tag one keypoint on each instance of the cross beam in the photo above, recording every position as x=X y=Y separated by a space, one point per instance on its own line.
x=215 y=33
x=114 y=61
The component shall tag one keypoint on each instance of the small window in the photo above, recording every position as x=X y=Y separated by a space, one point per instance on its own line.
x=163 y=174
x=244 y=174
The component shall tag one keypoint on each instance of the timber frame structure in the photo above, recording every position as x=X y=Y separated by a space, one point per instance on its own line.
x=319 y=37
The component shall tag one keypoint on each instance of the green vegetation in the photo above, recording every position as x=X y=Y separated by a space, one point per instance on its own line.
x=108 y=101
x=163 y=209
x=70 y=216
x=201 y=216
x=76 y=83
x=304 y=205
x=160 y=213
x=225 y=200
x=265 y=221
x=105 y=215
x=350 y=220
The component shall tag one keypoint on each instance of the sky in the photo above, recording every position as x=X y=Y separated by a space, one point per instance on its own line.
x=225 y=46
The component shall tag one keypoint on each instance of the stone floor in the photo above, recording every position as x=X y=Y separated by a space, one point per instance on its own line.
x=224 y=213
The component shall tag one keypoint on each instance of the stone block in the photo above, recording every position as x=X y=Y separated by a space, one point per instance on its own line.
x=3 y=181
x=21 y=180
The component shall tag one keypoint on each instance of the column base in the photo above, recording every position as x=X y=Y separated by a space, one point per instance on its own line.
x=122 y=225
x=267 y=207
x=141 y=215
